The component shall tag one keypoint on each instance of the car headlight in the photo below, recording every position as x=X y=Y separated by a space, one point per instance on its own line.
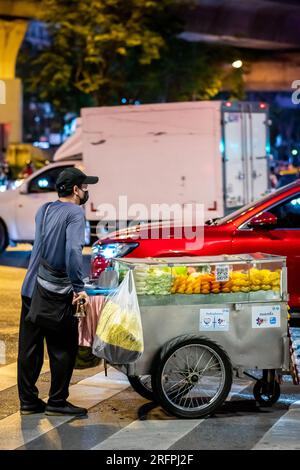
x=113 y=250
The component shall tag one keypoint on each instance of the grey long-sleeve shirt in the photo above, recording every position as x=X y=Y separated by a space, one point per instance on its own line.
x=63 y=243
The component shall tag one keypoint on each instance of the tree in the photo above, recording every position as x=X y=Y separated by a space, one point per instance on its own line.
x=185 y=71
x=103 y=50
x=92 y=40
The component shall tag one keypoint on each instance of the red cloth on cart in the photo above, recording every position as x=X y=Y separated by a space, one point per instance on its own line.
x=87 y=326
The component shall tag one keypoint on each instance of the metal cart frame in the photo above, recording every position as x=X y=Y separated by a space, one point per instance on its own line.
x=174 y=338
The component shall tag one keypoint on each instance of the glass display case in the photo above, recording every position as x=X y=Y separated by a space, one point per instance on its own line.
x=214 y=279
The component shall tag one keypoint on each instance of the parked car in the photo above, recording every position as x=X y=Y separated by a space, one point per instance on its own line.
x=271 y=225
x=19 y=203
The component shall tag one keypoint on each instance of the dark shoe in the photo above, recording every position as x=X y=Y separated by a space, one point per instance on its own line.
x=67 y=409
x=38 y=407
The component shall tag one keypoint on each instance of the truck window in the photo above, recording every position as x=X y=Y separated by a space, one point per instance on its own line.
x=45 y=182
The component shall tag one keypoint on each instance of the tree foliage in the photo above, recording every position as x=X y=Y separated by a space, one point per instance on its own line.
x=103 y=50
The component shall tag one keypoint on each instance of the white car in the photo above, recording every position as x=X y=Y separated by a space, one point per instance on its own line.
x=18 y=206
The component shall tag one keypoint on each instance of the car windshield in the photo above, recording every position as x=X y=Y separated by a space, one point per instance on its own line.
x=238 y=212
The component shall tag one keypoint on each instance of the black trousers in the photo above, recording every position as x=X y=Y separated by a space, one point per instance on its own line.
x=62 y=346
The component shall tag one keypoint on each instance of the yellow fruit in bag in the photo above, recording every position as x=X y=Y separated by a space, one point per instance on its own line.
x=119 y=328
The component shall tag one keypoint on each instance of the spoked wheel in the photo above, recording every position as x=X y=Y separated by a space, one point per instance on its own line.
x=142 y=385
x=192 y=377
x=266 y=393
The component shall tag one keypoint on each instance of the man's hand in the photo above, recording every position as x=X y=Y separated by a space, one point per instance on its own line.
x=79 y=296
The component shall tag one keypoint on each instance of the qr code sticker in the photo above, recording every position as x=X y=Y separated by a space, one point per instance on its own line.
x=222 y=273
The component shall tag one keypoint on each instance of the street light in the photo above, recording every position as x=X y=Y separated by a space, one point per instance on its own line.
x=237 y=64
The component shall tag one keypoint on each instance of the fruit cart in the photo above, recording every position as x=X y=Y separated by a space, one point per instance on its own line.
x=203 y=318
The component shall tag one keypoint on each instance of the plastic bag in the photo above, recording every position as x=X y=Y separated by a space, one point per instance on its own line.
x=108 y=279
x=119 y=335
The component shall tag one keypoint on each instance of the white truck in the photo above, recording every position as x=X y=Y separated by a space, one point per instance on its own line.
x=209 y=152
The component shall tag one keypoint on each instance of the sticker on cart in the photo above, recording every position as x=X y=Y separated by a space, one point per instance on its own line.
x=222 y=272
x=214 y=319
x=267 y=316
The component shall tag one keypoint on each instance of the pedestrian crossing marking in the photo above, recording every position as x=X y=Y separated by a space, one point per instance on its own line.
x=149 y=435
x=152 y=434
x=284 y=434
x=17 y=430
x=156 y=434
x=8 y=375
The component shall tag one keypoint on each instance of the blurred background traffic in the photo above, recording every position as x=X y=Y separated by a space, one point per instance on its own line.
x=57 y=57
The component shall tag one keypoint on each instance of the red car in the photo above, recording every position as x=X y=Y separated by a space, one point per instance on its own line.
x=270 y=225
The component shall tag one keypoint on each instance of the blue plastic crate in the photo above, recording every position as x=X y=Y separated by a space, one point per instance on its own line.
x=98 y=291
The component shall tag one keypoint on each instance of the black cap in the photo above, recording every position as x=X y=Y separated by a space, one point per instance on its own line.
x=71 y=177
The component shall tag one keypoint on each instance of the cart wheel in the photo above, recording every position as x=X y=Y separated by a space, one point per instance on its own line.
x=266 y=394
x=192 y=376
x=142 y=385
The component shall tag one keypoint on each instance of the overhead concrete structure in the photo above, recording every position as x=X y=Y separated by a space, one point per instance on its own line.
x=256 y=24
x=14 y=17
x=262 y=25
x=275 y=74
x=11 y=37
x=19 y=8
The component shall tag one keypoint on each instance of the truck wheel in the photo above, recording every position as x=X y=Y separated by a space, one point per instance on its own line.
x=192 y=376
x=266 y=394
x=3 y=237
x=142 y=385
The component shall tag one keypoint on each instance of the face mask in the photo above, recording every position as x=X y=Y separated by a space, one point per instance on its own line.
x=85 y=198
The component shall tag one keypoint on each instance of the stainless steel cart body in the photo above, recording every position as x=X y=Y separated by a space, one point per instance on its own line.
x=246 y=347
x=250 y=327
